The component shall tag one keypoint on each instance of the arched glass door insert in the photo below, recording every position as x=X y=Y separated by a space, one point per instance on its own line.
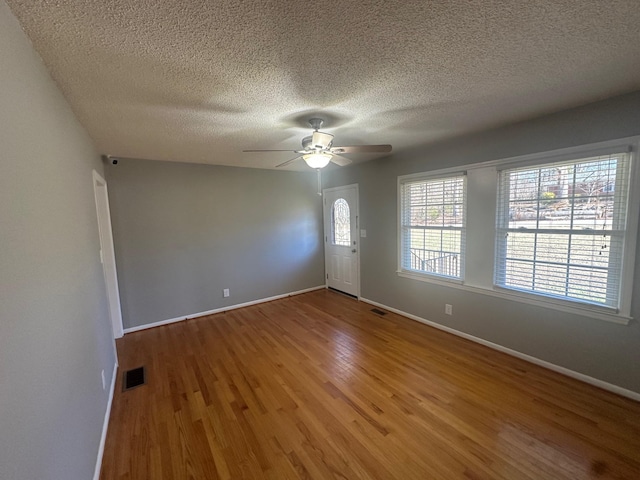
x=341 y=223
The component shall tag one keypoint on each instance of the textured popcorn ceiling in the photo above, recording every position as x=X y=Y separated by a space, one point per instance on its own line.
x=199 y=81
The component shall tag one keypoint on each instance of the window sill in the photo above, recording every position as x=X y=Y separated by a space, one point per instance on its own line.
x=425 y=277
x=600 y=313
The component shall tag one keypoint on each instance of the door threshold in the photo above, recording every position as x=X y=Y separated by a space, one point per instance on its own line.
x=342 y=293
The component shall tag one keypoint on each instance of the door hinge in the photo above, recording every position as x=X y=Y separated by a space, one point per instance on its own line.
x=327 y=276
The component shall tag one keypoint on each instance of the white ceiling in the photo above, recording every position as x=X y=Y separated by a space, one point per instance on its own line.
x=199 y=81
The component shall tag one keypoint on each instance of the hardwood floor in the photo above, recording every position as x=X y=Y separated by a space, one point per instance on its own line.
x=317 y=386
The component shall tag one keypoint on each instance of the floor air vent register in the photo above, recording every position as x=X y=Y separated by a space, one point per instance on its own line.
x=133 y=378
x=378 y=311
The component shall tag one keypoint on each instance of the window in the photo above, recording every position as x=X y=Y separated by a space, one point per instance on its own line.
x=553 y=229
x=433 y=225
x=341 y=222
x=561 y=228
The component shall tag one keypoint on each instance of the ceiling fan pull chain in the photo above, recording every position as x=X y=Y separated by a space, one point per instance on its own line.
x=319 y=181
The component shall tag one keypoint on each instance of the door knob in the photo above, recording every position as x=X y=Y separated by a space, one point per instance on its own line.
x=353 y=251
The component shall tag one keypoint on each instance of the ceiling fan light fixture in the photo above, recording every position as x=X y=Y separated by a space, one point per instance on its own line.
x=317 y=160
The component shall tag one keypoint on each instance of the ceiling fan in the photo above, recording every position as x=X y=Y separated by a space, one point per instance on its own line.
x=318 y=150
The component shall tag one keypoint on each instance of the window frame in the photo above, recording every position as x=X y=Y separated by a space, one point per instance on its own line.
x=480 y=249
x=420 y=177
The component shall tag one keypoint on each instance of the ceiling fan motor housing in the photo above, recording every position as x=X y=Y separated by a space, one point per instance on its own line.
x=317 y=141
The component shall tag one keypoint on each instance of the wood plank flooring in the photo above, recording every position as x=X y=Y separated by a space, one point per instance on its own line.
x=317 y=386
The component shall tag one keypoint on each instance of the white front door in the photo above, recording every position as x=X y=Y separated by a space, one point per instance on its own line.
x=341 y=250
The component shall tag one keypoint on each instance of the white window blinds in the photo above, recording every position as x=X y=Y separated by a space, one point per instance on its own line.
x=432 y=225
x=561 y=228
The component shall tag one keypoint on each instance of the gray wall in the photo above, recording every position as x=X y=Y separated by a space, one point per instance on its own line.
x=606 y=351
x=183 y=232
x=55 y=335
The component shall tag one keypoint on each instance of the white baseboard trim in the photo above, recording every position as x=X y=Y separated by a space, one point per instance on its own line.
x=523 y=356
x=105 y=424
x=219 y=310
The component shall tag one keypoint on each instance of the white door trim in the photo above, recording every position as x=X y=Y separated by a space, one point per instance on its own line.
x=326 y=234
x=107 y=253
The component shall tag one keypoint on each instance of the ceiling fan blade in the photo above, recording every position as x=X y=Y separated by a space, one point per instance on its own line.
x=362 y=149
x=341 y=161
x=283 y=164
x=268 y=150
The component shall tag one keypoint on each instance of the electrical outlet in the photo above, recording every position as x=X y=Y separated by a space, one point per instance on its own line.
x=448 y=309
x=104 y=381
x=225 y=292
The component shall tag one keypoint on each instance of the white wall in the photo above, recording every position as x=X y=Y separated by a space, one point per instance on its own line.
x=55 y=336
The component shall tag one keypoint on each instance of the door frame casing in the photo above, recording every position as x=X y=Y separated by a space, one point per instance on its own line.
x=107 y=254
x=326 y=223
